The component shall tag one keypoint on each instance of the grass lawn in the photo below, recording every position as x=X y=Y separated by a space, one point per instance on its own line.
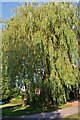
x=13 y=109
x=9 y=110
x=73 y=117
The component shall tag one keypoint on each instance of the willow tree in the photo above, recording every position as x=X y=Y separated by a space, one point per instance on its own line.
x=42 y=46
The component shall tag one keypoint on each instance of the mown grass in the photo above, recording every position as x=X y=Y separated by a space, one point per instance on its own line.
x=15 y=108
x=73 y=117
x=19 y=110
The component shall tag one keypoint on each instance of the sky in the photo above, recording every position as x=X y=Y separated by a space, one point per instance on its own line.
x=6 y=8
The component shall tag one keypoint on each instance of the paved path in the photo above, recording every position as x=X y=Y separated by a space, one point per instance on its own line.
x=74 y=109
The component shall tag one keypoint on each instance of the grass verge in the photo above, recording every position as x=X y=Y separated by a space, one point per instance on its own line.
x=73 y=117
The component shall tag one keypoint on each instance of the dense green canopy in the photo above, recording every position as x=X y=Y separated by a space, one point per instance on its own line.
x=40 y=50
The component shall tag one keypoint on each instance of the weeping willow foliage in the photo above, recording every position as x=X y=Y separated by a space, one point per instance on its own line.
x=40 y=48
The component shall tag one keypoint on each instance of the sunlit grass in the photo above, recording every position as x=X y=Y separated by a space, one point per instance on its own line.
x=7 y=105
x=72 y=117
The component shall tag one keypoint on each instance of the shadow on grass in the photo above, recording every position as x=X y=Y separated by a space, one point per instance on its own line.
x=29 y=110
x=19 y=110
